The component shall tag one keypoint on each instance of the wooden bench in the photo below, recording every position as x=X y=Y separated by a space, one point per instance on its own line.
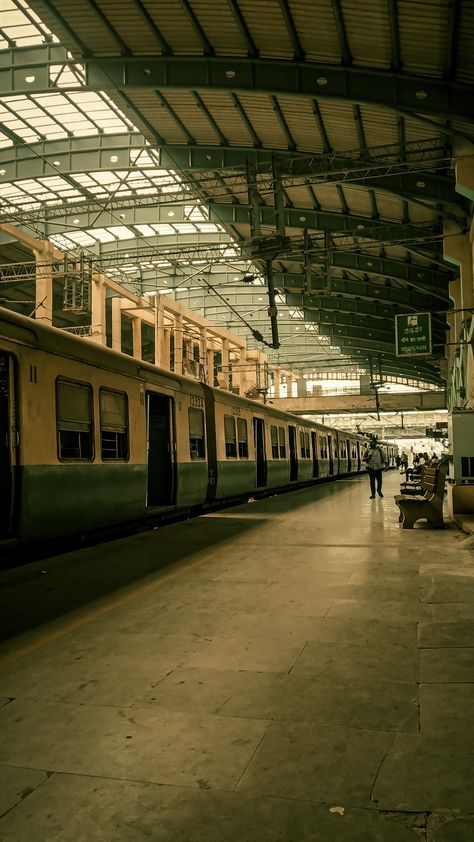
x=427 y=505
x=413 y=485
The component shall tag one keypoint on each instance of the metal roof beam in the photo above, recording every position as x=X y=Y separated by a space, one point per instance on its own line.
x=409 y=178
x=298 y=51
x=252 y=50
x=361 y=226
x=399 y=91
x=404 y=92
x=396 y=61
x=363 y=290
x=452 y=39
x=341 y=31
x=124 y=48
x=208 y=49
x=361 y=324
x=166 y=49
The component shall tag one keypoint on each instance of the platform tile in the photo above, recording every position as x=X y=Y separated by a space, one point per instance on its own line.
x=16 y=784
x=144 y=744
x=427 y=772
x=323 y=764
x=359 y=703
x=72 y=808
x=446 y=665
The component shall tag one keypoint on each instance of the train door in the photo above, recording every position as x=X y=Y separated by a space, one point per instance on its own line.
x=293 y=453
x=349 y=456
x=7 y=449
x=331 y=455
x=160 y=450
x=358 y=456
x=260 y=456
x=314 y=444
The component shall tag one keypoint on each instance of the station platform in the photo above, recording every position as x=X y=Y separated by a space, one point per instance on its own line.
x=295 y=669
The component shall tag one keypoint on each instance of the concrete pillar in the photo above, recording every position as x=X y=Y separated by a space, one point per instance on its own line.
x=44 y=287
x=160 y=333
x=202 y=352
x=210 y=365
x=225 y=362
x=237 y=365
x=277 y=381
x=137 y=337
x=178 y=344
x=116 y=323
x=167 y=348
x=98 y=332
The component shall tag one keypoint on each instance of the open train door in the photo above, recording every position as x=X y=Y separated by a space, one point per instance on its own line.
x=314 y=444
x=349 y=456
x=161 y=485
x=293 y=453
x=331 y=454
x=260 y=456
x=359 y=459
x=8 y=445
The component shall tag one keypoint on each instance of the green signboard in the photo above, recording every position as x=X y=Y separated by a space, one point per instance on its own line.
x=413 y=334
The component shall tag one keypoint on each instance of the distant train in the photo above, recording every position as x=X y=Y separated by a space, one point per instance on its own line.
x=91 y=438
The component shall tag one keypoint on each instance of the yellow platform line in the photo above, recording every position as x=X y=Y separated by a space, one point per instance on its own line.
x=89 y=617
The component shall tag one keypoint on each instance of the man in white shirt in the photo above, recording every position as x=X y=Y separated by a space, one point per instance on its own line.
x=375 y=462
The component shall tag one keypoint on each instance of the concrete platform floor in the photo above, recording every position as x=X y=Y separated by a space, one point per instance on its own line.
x=301 y=671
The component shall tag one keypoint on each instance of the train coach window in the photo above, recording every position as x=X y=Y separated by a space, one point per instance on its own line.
x=307 y=447
x=282 y=442
x=274 y=440
x=113 y=425
x=74 y=420
x=242 y=438
x=230 y=438
x=197 y=446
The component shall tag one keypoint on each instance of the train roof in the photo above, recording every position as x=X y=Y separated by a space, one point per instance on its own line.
x=36 y=334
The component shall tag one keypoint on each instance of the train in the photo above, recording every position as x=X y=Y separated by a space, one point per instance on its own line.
x=92 y=439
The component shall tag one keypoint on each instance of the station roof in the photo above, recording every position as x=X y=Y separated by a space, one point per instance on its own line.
x=172 y=140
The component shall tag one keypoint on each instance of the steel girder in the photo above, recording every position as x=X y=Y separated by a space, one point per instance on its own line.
x=306 y=218
x=372 y=293
x=363 y=324
x=404 y=92
x=388 y=267
x=382 y=308
x=71 y=155
x=411 y=178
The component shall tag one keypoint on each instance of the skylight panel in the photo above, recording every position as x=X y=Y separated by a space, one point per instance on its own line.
x=185 y=227
x=145 y=230
x=121 y=232
x=207 y=228
x=103 y=235
x=163 y=229
x=82 y=238
x=19 y=28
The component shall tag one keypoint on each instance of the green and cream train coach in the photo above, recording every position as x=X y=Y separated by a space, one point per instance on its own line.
x=91 y=438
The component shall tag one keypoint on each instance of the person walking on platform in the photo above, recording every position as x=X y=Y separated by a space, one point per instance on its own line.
x=375 y=463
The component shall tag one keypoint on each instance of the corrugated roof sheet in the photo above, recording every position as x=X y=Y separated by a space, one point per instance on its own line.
x=368 y=31
x=424 y=28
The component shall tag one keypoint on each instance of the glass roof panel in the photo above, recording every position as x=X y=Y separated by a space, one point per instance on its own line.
x=20 y=26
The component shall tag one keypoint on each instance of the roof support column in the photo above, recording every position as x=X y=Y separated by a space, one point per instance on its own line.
x=178 y=343
x=202 y=353
x=159 y=332
x=117 y=324
x=98 y=333
x=237 y=371
x=210 y=366
x=137 y=337
x=44 y=286
x=225 y=364
x=167 y=348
